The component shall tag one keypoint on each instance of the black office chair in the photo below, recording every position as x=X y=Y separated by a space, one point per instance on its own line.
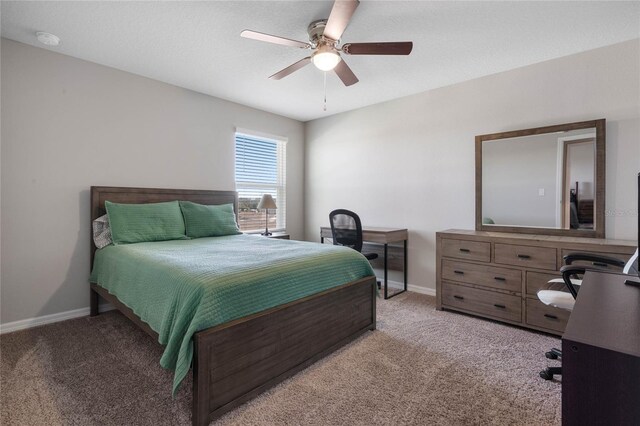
x=571 y=278
x=346 y=230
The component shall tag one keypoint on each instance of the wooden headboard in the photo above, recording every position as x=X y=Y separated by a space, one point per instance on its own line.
x=100 y=194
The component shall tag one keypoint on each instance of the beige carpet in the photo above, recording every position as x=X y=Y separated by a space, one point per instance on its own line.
x=420 y=367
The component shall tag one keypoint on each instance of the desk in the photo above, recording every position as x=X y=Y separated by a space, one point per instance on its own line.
x=384 y=237
x=601 y=354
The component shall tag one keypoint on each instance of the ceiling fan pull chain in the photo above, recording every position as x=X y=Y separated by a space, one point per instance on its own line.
x=325 y=90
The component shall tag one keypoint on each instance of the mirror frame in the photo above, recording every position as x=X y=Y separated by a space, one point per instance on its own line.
x=599 y=201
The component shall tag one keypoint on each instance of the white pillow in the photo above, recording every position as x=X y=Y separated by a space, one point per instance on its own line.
x=102 y=232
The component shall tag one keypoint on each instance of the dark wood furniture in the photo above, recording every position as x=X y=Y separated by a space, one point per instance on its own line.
x=381 y=241
x=601 y=354
x=599 y=201
x=235 y=361
x=585 y=211
x=497 y=275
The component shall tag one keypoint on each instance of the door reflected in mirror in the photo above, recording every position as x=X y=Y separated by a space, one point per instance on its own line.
x=578 y=183
x=542 y=178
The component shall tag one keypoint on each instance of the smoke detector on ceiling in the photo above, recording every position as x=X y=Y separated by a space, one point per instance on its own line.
x=47 y=38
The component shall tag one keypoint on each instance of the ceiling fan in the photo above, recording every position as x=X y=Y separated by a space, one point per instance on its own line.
x=324 y=37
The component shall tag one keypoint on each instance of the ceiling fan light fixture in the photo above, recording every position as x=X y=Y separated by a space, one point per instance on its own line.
x=325 y=58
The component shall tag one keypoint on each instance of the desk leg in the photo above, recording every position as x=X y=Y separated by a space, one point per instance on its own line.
x=321 y=239
x=405 y=264
x=386 y=295
x=386 y=272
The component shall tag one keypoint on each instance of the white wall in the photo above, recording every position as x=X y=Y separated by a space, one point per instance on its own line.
x=68 y=124
x=513 y=172
x=410 y=162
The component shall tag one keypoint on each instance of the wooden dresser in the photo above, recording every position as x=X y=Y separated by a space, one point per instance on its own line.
x=497 y=275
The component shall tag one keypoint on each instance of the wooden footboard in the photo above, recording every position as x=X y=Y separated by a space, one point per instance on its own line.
x=238 y=360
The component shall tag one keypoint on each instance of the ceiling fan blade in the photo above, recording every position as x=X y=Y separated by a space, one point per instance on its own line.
x=339 y=18
x=346 y=75
x=291 y=68
x=274 y=39
x=393 y=48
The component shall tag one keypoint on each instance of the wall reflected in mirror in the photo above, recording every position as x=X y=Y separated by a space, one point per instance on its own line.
x=546 y=180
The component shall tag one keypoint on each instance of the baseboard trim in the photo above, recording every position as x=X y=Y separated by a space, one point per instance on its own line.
x=48 y=319
x=412 y=287
x=422 y=290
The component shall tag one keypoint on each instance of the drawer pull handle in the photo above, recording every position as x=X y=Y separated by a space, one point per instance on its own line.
x=459 y=272
x=600 y=264
x=458 y=297
x=550 y=316
x=499 y=278
x=497 y=305
x=465 y=250
x=524 y=256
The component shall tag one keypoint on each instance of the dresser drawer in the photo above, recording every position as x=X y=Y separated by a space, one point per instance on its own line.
x=526 y=256
x=541 y=315
x=540 y=281
x=470 y=250
x=482 y=302
x=485 y=275
x=623 y=257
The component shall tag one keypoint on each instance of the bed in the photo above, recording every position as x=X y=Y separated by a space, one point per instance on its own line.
x=236 y=360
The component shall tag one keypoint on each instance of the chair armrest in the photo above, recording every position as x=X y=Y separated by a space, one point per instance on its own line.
x=568 y=271
x=595 y=259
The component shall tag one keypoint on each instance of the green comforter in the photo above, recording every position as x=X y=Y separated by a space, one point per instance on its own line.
x=181 y=287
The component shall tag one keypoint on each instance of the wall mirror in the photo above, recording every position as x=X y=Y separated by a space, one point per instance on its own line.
x=546 y=180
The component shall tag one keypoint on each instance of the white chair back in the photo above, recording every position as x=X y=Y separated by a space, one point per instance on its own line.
x=631 y=268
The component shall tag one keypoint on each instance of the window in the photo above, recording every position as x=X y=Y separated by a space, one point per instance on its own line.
x=260 y=169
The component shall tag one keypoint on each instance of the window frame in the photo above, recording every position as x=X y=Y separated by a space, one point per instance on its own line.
x=280 y=186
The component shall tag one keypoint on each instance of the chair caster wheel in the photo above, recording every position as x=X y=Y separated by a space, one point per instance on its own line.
x=545 y=375
x=551 y=355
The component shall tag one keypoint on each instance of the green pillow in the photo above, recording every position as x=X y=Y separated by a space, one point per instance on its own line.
x=209 y=221
x=136 y=223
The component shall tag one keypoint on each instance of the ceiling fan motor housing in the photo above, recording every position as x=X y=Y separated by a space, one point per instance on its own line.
x=316 y=32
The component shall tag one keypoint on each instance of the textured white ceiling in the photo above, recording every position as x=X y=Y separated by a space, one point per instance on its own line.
x=197 y=45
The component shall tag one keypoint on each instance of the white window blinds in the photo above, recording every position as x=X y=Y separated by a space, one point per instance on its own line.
x=260 y=169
